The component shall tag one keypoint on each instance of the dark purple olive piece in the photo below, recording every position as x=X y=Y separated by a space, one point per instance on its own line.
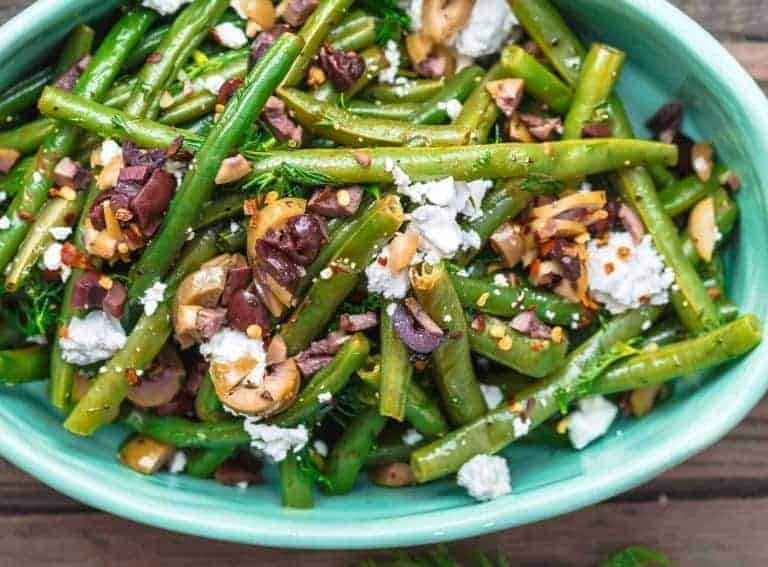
x=264 y=41
x=413 y=335
x=114 y=300
x=331 y=202
x=161 y=382
x=87 y=293
x=280 y=124
x=245 y=309
x=296 y=12
x=237 y=279
x=152 y=200
x=70 y=77
x=68 y=173
x=343 y=68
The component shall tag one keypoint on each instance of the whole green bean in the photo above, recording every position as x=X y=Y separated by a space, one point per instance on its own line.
x=458 y=87
x=394 y=111
x=334 y=123
x=93 y=84
x=560 y=160
x=599 y=74
x=454 y=374
x=417 y=90
x=327 y=293
x=532 y=357
x=357 y=31
x=28 y=137
x=546 y=27
x=679 y=359
x=387 y=453
x=396 y=370
x=479 y=112
x=188 y=30
x=184 y=433
x=329 y=380
x=500 y=427
x=12 y=183
x=500 y=205
x=351 y=450
x=208 y=406
x=295 y=485
x=24 y=365
x=204 y=462
x=684 y=194
x=540 y=82
x=313 y=33
x=662 y=176
x=119 y=95
x=222 y=208
x=198 y=184
x=55 y=213
x=146 y=47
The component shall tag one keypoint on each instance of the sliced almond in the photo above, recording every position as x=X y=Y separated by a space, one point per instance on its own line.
x=110 y=174
x=508 y=243
x=701 y=156
x=233 y=169
x=507 y=94
x=401 y=251
x=703 y=228
x=590 y=200
x=252 y=29
x=441 y=19
x=261 y=12
x=166 y=100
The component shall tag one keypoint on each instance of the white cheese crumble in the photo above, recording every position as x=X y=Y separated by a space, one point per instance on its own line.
x=178 y=463
x=153 y=297
x=211 y=83
x=229 y=345
x=492 y=394
x=237 y=6
x=414 y=9
x=392 y=55
x=52 y=260
x=60 y=232
x=95 y=337
x=325 y=397
x=275 y=441
x=441 y=235
x=500 y=280
x=37 y=340
x=399 y=177
x=165 y=7
x=591 y=421
x=109 y=150
x=412 y=437
x=521 y=426
x=452 y=108
x=229 y=35
x=623 y=275
x=381 y=279
x=3 y=196
x=487 y=30
x=320 y=447
x=5 y=222
x=485 y=477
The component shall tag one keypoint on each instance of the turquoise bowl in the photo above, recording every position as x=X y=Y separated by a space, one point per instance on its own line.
x=669 y=57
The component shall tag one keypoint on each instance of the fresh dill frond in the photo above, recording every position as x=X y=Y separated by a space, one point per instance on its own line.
x=393 y=20
x=287 y=180
x=542 y=184
x=32 y=310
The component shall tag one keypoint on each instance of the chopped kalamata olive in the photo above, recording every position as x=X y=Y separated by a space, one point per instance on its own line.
x=114 y=301
x=358 y=322
x=309 y=364
x=668 y=118
x=330 y=202
x=133 y=176
x=152 y=200
x=596 y=130
x=507 y=94
x=631 y=222
x=320 y=353
x=87 y=293
x=264 y=41
x=70 y=77
x=234 y=472
x=435 y=66
x=162 y=382
x=238 y=278
x=245 y=309
x=280 y=124
x=543 y=129
x=152 y=158
x=528 y=324
x=343 y=68
x=276 y=263
x=684 y=145
x=210 y=321
x=68 y=173
x=564 y=251
x=227 y=90
x=299 y=240
x=296 y=12
x=415 y=336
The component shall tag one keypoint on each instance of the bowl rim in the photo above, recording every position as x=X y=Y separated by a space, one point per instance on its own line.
x=298 y=530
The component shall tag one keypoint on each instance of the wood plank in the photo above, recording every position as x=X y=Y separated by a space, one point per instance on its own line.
x=701 y=534
x=729 y=19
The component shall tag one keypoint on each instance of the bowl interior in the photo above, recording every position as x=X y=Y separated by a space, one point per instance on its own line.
x=669 y=57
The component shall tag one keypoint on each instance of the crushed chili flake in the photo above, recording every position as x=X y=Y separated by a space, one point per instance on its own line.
x=382 y=260
x=24 y=215
x=155 y=57
x=609 y=267
x=537 y=345
x=715 y=292
x=72 y=257
x=250 y=207
x=133 y=376
x=644 y=299
x=623 y=252
x=64 y=332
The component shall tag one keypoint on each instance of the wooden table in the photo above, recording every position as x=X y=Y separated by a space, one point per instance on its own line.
x=706 y=512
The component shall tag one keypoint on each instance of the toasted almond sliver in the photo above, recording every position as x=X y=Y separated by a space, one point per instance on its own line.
x=110 y=174
x=401 y=251
x=166 y=100
x=701 y=156
x=703 y=229
x=588 y=200
x=233 y=169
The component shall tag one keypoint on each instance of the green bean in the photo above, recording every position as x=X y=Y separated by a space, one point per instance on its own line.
x=357 y=31
x=146 y=47
x=500 y=427
x=540 y=82
x=313 y=33
x=690 y=299
x=417 y=90
x=686 y=357
x=334 y=123
x=119 y=95
x=327 y=293
x=55 y=213
x=11 y=184
x=198 y=184
x=396 y=370
x=28 y=137
x=546 y=27
x=351 y=450
x=295 y=485
x=93 y=84
x=684 y=194
x=329 y=380
x=599 y=74
x=669 y=330
x=532 y=357
x=188 y=30
x=394 y=111
x=208 y=406
x=560 y=160
x=23 y=365
x=479 y=113
x=458 y=87
x=204 y=462
x=454 y=374
x=662 y=176
x=224 y=207
x=500 y=205
x=183 y=433
x=388 y=453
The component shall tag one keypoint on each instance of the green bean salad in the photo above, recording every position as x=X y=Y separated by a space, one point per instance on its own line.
x=353 y=235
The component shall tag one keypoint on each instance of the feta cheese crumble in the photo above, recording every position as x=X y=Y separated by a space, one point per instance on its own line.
x=381 y=279
x=237 y=6
x=500 y=280
x=324 y=397
x=399 y=177
x=211 y=83
x=485 y=477
x=492 y=394
x=452 y=108
x=392 y=55
x=591 y=421
x=229 y=35
x=412 y=437
x=3 y=196
x=60 y=232
x=487 y=30
x=95 y=337
x=153 y=297
x=229 y=345
x=275 y=441
x=320 y=447
x=109 y=150
x=5 y=223
x=52 y=260
x=624 y=276
x=165 y=7
x=178 y=463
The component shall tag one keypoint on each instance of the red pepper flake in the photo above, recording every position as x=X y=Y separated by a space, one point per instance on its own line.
x=382 y=260
x=537 y=345
x=535 y=267
x=72 y=257
x=644 y=299
x=478 y=323
x=133 y=376
x=25 y=216
x=624 y=252
x=155 y=57
x=609 y=267
x=64 y=332
x=715 y=292
x=250 y=207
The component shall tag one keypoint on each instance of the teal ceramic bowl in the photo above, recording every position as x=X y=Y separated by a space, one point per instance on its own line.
x=669 y=57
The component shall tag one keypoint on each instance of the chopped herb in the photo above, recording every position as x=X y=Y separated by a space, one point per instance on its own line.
x=542 y=184
x=638 y=556
x=393 y=21
x=288 y=180
x=32 y=310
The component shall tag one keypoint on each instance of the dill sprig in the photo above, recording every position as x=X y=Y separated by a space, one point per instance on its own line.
x=393 y=20
x=32 y=310
x=287 y=180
